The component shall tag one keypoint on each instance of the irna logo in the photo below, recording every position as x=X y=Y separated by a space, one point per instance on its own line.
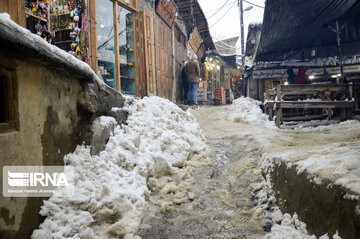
x=37 y=179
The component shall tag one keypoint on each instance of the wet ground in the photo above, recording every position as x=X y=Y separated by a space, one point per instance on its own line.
x=220 y=201
x=223 y=204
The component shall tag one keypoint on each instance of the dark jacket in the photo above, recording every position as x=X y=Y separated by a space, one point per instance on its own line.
x=192 y=71
x=302 y=78
x=291 y=76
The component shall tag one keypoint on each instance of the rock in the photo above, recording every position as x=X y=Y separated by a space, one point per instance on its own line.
x=120 y=115
x=100 y=135
x=161 y=167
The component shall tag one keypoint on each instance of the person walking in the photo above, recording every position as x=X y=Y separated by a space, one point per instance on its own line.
x=192 y=72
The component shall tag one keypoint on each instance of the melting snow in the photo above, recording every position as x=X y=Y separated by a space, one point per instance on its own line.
x=111 y=188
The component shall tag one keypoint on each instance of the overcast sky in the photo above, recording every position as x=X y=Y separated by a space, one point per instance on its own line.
x=229 y=25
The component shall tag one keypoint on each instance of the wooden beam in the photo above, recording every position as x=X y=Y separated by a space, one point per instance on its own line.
x=314 y=105
x=304 y=117
x=92 y=36
x=116 y=45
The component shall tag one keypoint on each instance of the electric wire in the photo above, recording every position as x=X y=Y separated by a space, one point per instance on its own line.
x=222 y=15
x=218 y=9
x=253 y=4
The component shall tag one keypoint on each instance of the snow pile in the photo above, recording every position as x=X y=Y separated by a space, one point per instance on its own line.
x=111 y=188
x=292 y=227
x=338 y=162
x=247 y=110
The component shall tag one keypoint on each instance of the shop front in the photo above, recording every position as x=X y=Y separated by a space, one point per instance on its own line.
x=265 y=79
x=115 y=45
x=100 y=33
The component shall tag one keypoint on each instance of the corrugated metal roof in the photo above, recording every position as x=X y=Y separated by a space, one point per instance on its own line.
x=291 y=29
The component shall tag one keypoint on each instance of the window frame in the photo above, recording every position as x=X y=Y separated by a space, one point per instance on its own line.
x=12 y=124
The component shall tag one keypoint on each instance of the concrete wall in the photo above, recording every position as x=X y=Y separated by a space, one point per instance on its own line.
x=55 y=110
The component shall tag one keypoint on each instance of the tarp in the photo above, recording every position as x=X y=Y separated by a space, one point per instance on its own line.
x=292 y=28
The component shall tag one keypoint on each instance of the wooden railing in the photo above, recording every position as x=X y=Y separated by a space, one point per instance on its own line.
x=302 y=101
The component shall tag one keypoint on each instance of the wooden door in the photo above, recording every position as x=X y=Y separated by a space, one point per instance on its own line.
x=140 y=76
x=145 y=69
x=149 y=53
x=163 y=44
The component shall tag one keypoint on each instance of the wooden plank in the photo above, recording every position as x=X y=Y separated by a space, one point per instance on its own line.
x=129 y=4
x=279 y=93
x=137 y=29
x=315 y=105
x=166 y=10
x=163 y=58
x=314 y=88
x=149 y=53
x=278 y=120
x=304 y=117
x=91 y=16
x=116 y=45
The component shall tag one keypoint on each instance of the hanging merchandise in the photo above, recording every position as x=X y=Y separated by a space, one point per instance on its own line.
x=68 y=24
x=37 y=15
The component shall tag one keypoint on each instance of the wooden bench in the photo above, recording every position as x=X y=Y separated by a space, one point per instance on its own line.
x=316 y=96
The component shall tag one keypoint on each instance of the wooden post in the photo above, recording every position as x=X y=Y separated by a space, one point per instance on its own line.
x=350 y=91
x=342 y=114
x=349 y=114
x=91 y=16
x=271 y=111
x=116 y=45
x=278 y=115
x=278 y=93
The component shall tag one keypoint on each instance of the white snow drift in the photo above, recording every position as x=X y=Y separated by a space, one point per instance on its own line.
x=111 y=188
x=245 y=109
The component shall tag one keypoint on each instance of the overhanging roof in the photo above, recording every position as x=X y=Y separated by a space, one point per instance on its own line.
x=193 y=17
x=292 y=28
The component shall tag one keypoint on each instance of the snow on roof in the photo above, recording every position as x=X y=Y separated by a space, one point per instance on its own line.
x=17 y=35
x=319 y=62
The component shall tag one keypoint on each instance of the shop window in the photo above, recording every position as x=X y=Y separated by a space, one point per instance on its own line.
x=126 y=50
x=7 y=101
x=107 y=53
x=105 y=41
x=60 y=22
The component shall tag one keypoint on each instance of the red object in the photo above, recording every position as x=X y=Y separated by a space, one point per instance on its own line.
x=220 y=94
x=302 y=78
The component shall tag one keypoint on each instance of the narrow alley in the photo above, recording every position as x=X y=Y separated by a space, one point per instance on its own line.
x=224 y=204
x=230 y=198
x=180 y=119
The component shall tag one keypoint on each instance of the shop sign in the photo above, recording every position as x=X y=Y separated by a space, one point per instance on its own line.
x=195 y=40
x=201 y=51
x=167 y=10
x=312 y=72
x=352 y=69
x=264 y=74
x=282 y=73
x=331 y=70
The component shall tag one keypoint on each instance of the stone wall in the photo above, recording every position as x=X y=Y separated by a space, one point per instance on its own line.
x=55 y=107
x=322 y=207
